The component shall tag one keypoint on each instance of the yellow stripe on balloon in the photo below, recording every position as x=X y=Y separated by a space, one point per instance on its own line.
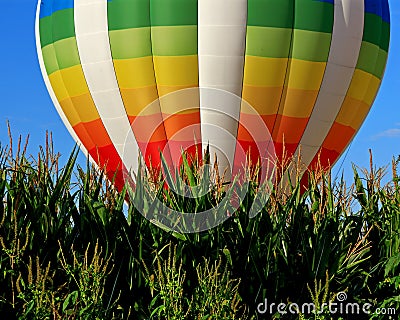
x=269 y=72
x=364 y=86
x=266 y=100
x=71 y=90
x=80 y=109
x=69 y=82
x=58 y=86
x=140 y=100
x=352 y=112
x=176 y=70
x=133 y=73
x=68 y=108
x=306 y=75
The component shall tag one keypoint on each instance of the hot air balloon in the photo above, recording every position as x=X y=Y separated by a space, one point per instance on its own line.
x=173 y=75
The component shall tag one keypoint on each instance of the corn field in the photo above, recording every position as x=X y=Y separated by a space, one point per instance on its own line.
x=73 y=247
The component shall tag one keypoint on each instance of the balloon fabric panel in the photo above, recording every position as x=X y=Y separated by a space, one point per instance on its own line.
x=365 y=84
x=310 y=69
x=69 y=85
x=174 y=47
x=130 y=43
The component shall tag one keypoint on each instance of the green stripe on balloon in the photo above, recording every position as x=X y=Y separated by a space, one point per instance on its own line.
x=272 y=13
x=313 y=46
x=60 y=25
x=67 y=55
x=262 y=41
x=130 y=43
x=173 y=12
x=45 y=31
x=313 y=15
x=376 y=31
x=381 y=64
x=50 y=59
x=175 y=41
x=127 y=14
x=367 y=55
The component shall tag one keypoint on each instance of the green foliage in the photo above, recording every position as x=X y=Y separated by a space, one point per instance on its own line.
x=71 y=247
x=215 y=295
x=86 y=285
x=167 y=283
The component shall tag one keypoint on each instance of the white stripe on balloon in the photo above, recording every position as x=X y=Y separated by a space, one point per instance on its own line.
x=343 y=56
x=91 y=29
x=221 y=49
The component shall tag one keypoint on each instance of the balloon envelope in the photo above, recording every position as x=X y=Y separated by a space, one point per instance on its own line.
x=165 y=75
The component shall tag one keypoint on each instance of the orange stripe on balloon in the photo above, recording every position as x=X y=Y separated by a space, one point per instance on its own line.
x=289 y=129
x=353 y=112
x=150 y=135
x=98 y=135
x=79 y=109
x=291 y=99
x=177 y=126
x=148 y=128
x=246 y=124
x=265 y=100
x=336 y=141
x=338 y=137
x=140 y=100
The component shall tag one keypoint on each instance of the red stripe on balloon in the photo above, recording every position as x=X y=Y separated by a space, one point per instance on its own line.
x=108 y=159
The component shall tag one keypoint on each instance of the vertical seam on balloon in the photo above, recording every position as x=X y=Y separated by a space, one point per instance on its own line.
x=122 y=164
x=112 y=58
x=323 y=77
x=198 y=84
x=241 y=90
x=285 y=83
x=377 y=58
x=119 y=89
x=356 y=131
x=91 y=97
x=119 y=107
x=155 y=77
x=298 y=148
x=58 y=66
x=45 y=76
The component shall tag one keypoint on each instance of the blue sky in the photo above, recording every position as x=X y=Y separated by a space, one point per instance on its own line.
x=27 y=106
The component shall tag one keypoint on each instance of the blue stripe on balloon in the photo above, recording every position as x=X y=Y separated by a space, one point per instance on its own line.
x=379 y=8
x=386 y=12
x=48 y=7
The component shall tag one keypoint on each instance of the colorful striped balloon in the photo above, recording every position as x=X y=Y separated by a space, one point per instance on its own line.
x=151 y=75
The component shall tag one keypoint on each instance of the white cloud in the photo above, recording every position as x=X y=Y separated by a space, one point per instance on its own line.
x=390 y=133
